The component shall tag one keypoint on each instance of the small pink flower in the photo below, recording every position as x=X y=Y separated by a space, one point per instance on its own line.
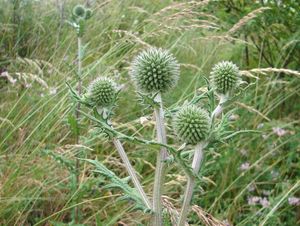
x=279 y=131
x=253 y=200
x=264 y=202
x=294 y=201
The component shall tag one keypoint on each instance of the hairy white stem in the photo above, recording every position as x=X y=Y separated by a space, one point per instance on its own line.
x=197 y=160
x=131 y=172
x=160 y=165
x=79 y=90
x=218 y=110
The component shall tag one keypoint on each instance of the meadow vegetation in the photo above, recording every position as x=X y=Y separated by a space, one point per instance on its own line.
x=251 y=178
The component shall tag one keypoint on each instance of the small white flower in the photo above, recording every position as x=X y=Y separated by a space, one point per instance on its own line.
x=244 y=152
x=251 y=188
x=27 y=85
x=274 y=174
x=245 y=166
x=234 y=117
x=260 y=125
x=144 y=120
x=52 y=91
x=266 y=192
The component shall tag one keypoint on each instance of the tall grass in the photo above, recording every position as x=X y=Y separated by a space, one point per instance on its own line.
x=33 y=186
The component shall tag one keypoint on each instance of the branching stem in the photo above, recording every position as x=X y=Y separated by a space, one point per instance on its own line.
x=160 y=164
x=198 y=156
x=218 y=110
x=197 y=160
x=187 y=169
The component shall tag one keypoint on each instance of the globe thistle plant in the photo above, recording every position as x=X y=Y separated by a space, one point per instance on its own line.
x=79 y=15
x=79 y=11
x=225 y=77
x=155 y=70
x=102 y=92
x=191 y=124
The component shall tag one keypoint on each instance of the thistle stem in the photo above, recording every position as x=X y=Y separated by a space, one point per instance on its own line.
x=77 y=115
x=131 y=171
x=196 y=166
x=160 y=165
x=197 y=160
x=218 y=110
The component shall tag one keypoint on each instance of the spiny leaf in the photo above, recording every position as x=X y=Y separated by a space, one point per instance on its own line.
x=120 y=183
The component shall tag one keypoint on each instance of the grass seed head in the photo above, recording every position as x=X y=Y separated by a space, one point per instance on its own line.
x=225 y=77
x=102 y=92
x=191 y=124
x=155 y=70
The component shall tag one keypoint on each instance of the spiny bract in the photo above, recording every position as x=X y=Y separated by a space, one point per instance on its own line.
x=191 y=124
x=224 y=77
x=155 y=70
x=79 y=11
x=102 y=92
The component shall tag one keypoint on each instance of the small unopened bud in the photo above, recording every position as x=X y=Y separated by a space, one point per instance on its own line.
x=191 y=124
x=102 y=92
x=79 y=11
x=225 y=77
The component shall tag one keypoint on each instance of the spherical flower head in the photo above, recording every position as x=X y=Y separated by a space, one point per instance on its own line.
x=88 y=14
x=102 y=92
x=191 y=124
x=155 y=70
x=225 y=77
x=79 y=11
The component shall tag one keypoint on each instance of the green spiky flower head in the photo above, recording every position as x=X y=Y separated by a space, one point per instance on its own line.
x=102 y=92
x=225 y=77
x=155 y=70
x=79 y=11
x=191 y=124
x=88 y=14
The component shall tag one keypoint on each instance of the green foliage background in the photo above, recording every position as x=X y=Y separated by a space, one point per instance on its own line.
x=36 y=43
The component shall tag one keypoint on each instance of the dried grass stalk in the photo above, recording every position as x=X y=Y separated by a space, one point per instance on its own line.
x=264 y=71
x=246 y=19
x=206 y=218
